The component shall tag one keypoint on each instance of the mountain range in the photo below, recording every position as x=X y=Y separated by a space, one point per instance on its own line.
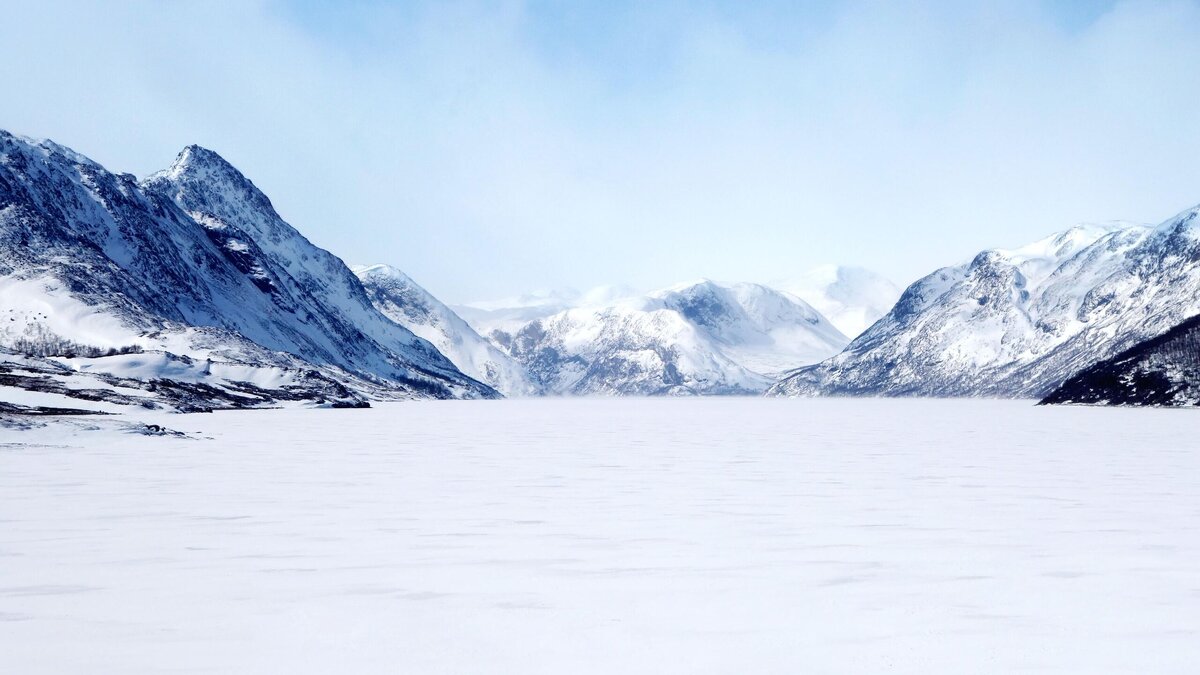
x=1017 y=323
x=186 y=290
x=190 y=279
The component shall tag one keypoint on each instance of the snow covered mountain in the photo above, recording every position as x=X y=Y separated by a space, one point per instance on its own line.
x=1162 y=371
x=852 y=298
x=759 y=327
x=402 y=300
x=191 y=262
x=699 y=338
x=1018 y=323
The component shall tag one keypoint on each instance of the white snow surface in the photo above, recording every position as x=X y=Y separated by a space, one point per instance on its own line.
x=726 y=535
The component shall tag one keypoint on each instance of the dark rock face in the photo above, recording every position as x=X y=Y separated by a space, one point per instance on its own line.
x=1162 y=371
x=191 y=261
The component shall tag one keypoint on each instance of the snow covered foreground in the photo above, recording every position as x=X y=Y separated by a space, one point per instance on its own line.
x=608 y=536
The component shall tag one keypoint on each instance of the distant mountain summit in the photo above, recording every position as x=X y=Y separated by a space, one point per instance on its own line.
x=698 y=338
x=759 y=327
x=193 y=262
x=1017 y=323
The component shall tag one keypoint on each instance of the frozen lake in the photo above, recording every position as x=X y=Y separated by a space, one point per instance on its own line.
x=609 y=536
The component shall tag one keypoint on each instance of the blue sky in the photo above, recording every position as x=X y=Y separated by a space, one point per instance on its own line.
x=494 y=147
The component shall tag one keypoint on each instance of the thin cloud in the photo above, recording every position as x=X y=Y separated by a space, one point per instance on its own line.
x=491 y=148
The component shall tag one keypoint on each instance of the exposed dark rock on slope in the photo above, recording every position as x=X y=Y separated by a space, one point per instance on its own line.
x=1162 y=371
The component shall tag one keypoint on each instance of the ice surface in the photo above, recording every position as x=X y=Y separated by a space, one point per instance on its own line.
x=608 y=536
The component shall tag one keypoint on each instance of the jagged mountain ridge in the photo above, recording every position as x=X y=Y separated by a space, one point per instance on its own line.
x=1162 y=371
x=1018 y=323
x=100 y=259
x=691 y=339
x=404 y=301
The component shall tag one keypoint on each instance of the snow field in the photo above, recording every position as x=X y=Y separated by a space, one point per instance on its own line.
x=714 y=535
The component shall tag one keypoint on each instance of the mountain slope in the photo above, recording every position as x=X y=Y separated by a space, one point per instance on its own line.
x=402 y=300
x=1017 y=323
x=195 y=262
x=692 y=339
x=852 y=298
x=1162 y=371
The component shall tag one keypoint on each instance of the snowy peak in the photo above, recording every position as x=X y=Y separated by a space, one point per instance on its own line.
x=701 y=337
x=209 y=188
x=763 y=329
x=197 y=163
x=381 y=272
x=626 y=349
x=1184 y=222
x=44 y=147
x=195 y=261
x=241 y=220
x=1018 y=322
x=704 y=304
x=196 y=158
x=735 y=312
x=1062 y=245
x=388 y=278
